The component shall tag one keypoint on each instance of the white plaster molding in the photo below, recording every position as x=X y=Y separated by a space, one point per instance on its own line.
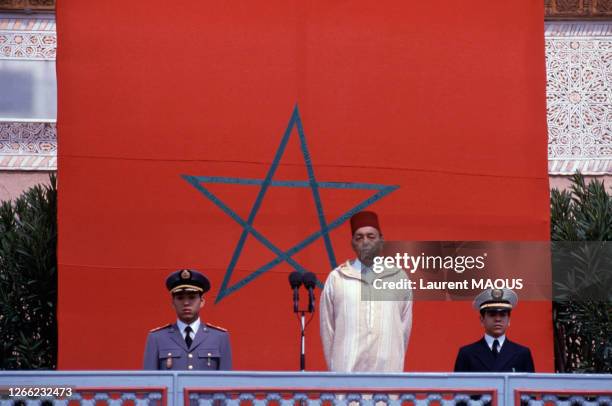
x=579 y=97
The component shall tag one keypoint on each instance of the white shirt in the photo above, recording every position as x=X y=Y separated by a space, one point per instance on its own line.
x=489 y=339
x=194 y=328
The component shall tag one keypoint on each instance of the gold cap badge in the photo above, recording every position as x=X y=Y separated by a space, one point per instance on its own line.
x=497 y=294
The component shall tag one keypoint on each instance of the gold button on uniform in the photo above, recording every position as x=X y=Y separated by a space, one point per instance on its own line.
x=190 y=367
x=190 y=355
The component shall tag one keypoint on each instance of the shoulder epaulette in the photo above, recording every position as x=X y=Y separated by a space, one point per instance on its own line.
x=159 y=328
x=216 y=327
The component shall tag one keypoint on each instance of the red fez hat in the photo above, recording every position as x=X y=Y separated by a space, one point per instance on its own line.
x=364 y=219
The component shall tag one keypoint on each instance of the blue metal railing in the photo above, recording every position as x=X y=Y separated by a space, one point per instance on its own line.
x=116 y=388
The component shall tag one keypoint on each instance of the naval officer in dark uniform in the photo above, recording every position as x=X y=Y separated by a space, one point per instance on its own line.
x=494 y=352
x=188 y=344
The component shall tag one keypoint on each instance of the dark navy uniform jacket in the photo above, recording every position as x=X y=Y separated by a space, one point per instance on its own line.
x=478 y=357
x=166 y=349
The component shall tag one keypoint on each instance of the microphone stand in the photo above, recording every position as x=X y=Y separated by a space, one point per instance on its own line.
x=303 y=341
x=295 y=280
x=302 y=314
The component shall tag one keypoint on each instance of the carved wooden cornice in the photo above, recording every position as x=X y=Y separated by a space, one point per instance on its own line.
x=577 y=9
x=22 y=5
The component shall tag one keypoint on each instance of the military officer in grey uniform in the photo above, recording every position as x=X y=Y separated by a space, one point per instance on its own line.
x=188 y=344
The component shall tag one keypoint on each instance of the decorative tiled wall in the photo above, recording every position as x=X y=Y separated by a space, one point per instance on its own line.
x=27 y=38
x=579 y=97
x=28 y=145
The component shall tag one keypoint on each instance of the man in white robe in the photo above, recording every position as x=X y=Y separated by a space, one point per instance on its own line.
x=364 y=329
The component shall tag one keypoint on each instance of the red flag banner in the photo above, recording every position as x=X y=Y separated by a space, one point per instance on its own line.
x=237 y=137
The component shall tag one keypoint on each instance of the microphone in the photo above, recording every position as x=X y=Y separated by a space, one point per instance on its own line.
x=310 y=280
x=295 y=280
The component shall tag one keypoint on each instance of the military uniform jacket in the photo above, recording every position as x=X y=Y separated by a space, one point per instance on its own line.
x=166 y=349
x=478 y=357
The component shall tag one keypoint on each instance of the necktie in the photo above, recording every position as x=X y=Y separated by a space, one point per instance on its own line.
x=188 y=339
x=495 y=348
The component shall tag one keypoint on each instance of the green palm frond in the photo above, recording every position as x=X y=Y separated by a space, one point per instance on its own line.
x=28 y=279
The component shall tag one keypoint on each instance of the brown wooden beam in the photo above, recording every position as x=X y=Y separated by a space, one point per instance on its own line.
x=27 y=5
x=578 y=9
